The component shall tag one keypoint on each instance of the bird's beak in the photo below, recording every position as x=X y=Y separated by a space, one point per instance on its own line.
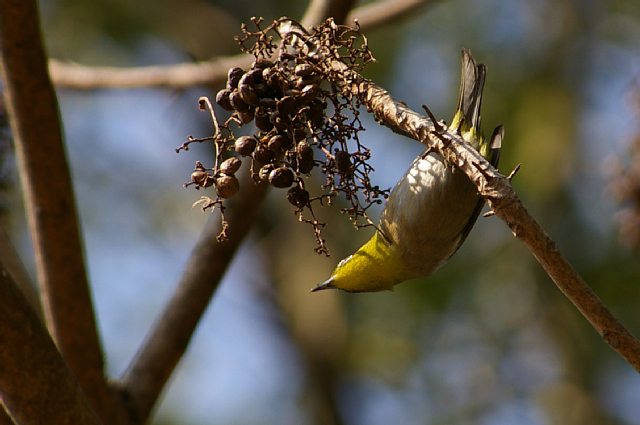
x=328 y=284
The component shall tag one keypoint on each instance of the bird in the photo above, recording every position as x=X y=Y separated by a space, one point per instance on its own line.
x=430 y=211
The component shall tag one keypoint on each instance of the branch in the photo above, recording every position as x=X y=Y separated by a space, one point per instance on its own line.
x=384 y=12
x=506 y=204
x=36 y=386
x=10 y=258
x=319 y=10
x=170 y=335
x=49 y=199
x=214 y=72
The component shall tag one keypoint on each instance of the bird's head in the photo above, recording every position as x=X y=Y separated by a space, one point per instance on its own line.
x=376 y=266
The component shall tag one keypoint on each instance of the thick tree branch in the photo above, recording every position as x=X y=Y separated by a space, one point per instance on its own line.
x=49 y=199
x=506 y=204
x=214 y=72
x=36 y=386
x=10 y=258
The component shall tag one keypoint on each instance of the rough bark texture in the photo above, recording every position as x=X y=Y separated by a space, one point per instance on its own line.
x=36 y=386
x=49 y=198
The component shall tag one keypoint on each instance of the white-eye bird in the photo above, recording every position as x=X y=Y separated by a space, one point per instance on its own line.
x=430 y=211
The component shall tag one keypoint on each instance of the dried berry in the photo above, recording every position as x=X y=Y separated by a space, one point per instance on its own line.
x=262 y=63
x=295 y=93
x=222 y=99
x=304 y=155
x=263 y=122
x=265 y=172
x=298 y=197
x=238 y=103
x=248 y=94
x=286 y=106
x=252 y=77
x=263 y=155
x=309 y=92
x=262 y=90
x=201 y=179
x=233 y=77
x=281 y=177
x=245 y=145
x=230 y=165
x=299 y=134
x=267 y=102
x=343 y=162
x=315 y=112
x=304 y=70
x=227 y=186
x=279 y=143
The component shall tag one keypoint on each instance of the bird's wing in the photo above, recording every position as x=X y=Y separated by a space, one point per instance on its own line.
x=496 y=145
x=472 y=77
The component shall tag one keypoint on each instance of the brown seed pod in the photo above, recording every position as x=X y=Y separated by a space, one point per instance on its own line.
x=268 y=102
x=265 y=172
x=343 y=162
x=263 y=122
x=304 y=70
x=309 y=92
x=253 y=77
x=230 y=165
x=201 y=179
x=237 y=102
x=268 y=74
x=316 y=112
x=295 y=93
x=298 y=197
x=245 y=117
x=262 y=90
x=281 y=177
x=280 y=122
x=286 y=106
x=262 y=63
x=245 y=145
x=304 y=155
x=248 y=94
x=263 y=155
x=222 y=99
x=279 y=143
x=227 y=186
x=299 y=134
x=233 y=77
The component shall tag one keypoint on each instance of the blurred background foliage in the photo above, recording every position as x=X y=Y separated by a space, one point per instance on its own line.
x=487 y=340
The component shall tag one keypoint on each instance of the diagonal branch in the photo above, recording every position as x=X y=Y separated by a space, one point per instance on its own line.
x=214 y=72
x=36 y=386
x=48 y=193
x=506 y=204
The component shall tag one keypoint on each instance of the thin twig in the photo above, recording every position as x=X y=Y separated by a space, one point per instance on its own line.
x=49 y=198
x=214 y=71
x=506 y=204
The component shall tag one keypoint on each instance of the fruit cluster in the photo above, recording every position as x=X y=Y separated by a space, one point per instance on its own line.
x=305 y=119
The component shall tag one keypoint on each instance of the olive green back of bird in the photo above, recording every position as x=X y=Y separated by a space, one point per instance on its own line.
x=430 y=211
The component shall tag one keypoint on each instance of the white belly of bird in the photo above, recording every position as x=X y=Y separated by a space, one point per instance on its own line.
x=427 y=212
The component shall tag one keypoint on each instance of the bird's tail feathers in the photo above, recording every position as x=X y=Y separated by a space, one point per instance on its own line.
x=472 y=77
